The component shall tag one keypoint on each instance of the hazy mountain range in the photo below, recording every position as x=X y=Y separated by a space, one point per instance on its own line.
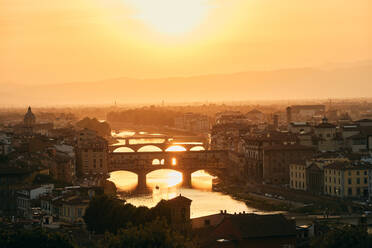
x=295 y=83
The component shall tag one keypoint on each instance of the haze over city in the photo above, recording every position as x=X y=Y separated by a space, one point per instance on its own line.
x=95 y=52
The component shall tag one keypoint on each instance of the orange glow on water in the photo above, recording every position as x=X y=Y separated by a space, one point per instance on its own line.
x=164 y=178
x=124 y=180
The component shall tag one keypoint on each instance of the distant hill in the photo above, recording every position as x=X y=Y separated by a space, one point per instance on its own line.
x=295 y=83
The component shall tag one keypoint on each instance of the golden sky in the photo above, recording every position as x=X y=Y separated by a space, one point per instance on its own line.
x=55 y=41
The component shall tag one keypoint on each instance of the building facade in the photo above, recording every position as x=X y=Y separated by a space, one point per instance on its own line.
x=345 y=179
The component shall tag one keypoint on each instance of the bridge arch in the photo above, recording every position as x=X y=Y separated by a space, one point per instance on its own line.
x=197 y=148
x=123 y=149
x=124 y=180
x=176 y=148
x=149 y=148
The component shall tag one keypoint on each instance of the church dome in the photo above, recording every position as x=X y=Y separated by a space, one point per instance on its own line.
x=29 y=118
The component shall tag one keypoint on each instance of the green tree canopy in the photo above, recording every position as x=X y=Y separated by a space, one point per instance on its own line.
x=156 y=234
x=106 y=213
x=349 y=236
x=33 y=239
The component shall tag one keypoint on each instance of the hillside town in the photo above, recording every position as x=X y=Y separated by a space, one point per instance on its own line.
x=311 y=163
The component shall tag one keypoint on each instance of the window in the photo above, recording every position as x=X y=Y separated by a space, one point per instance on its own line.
x=358 y=180
x=349 y=191
x=358 y=191
x=349 y=180
x=365 y=173
x=365 y=180
x=79 y=212
x=357 y=173
x=349 y=173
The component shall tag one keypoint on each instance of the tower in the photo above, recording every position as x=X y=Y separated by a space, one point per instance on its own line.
x=289 y=115
x=29 y=119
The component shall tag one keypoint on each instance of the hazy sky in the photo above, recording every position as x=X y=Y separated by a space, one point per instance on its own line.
x=54 y=41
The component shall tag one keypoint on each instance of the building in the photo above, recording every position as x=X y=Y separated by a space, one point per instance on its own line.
x=327 y=138
x=228 y=117
x=255 y=116
x=299 y=127
x=314 y=178
x=64 y=168
x=307 y=176
x=29 y=119
x=193 y=122
x=11 y=180
x=29 y=125
x=277 y=159
x=26 y=197
x=73 y=209
x=85 y=135
x=227 y=136
x=297 y=113
x=245 y=230
x=298 y=176
x=252 y=146
x=346 y=179
x=180 y=213
x=5 y=143
x=364 y=122
x=91 y=154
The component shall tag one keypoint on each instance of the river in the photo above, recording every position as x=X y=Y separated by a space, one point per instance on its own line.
x=167 y=184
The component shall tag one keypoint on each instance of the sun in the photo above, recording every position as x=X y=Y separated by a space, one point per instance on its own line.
x=171 y=16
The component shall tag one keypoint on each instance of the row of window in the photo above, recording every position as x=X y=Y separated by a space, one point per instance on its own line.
x=70 y=212
x=298 y=184
x=298 y=174
x=365 y=172
x=349 y=180
x=337 y=191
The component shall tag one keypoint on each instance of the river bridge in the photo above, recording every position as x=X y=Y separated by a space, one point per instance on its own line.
x=186 y=162
x=132 y=142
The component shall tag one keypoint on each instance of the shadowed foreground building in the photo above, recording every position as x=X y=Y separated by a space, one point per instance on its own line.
x=244 y=230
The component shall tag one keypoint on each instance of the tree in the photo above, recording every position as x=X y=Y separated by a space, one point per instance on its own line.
x=106 y=213
x=349 y=236
x=102 y=128
x=33 y=239
x=156 y=234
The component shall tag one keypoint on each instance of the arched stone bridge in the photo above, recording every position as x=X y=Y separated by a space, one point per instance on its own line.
x=185 y=162
x=162 y=146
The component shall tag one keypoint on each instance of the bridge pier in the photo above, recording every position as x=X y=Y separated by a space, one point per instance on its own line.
x=141 y=185
x=186 y=179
